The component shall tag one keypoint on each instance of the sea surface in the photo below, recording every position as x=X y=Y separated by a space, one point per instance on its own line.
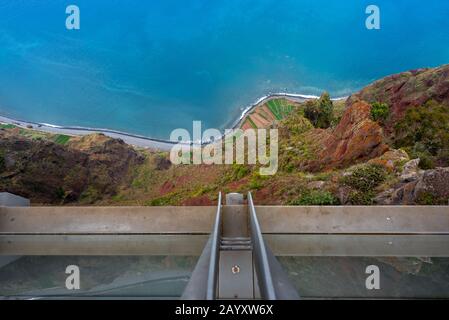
x=148 y=67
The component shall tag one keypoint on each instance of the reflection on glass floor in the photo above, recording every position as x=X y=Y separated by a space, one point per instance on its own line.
x=344 y=277
x=101 y=276
x=334 y=266
x=160 y=266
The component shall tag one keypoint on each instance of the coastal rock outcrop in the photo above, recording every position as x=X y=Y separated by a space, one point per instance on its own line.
x=411 y=171
x=405 y=90
x=429 y=189
x=355 y=139
x=162 y=163
x=391 y=158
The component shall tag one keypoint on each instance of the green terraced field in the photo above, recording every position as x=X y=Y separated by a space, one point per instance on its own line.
x=7 y=126
x=280 y=108
x=251 y=122
x=62 y=139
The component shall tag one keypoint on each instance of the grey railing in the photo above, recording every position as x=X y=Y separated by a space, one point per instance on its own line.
x=273 y=283
x=261 y=261
x=212 y=276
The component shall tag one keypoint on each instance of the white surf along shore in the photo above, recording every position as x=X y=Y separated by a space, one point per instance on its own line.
x=143 y=141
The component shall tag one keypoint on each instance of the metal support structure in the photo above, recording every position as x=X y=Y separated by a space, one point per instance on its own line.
x=238 y=263
x=212 y=275
x=260 y=255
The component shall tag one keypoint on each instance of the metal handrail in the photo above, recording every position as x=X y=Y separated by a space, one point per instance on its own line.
x=262 y=265
x=212 y=276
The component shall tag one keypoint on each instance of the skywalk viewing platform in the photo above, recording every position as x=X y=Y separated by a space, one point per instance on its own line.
x=244 y=250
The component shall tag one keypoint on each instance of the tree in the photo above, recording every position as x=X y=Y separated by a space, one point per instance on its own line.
x=320 y=112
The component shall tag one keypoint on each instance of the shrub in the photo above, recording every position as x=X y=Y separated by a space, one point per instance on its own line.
x=166 y=200
x=90 y=195
x=257 y=181
x=316 y=198
x=429 y=199
x=289 y=167
x=60 y=193
x=204 y=189
x=380 y=111
x=366 y=178
x=426 y=199
x=426 y=162
x=361 y=198
x=419 y=151
x=118 y=198
x=424 y=129
x=335 y=121
x=320 y=112
x=255 y=184
x=239 y=171
x=157 y=202
x=295 y=124
x=443 y=157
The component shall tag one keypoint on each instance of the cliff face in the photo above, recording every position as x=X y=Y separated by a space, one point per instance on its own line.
x=355 y=139
x=426 y=188
x=406 y=90
x=47 y=172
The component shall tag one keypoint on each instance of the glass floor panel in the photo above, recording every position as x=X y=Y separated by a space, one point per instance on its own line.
x=100 y=276
x=345 y=277
x=160 y=266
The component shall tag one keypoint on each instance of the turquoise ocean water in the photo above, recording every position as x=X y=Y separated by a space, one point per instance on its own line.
x=148 y=67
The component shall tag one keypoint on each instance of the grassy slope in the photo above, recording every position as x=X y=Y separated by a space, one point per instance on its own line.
x=199 y=185
x=193 y=185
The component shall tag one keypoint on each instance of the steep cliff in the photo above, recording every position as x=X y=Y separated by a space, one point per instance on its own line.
x=47 y=172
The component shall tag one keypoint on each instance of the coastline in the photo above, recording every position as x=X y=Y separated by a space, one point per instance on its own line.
x=143 y=141
x=296 y=97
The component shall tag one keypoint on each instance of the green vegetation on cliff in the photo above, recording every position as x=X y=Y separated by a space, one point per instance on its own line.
x=366 y=177
x=380 y=111
x=424 y=133
x=320 y=111
x=315 y=198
